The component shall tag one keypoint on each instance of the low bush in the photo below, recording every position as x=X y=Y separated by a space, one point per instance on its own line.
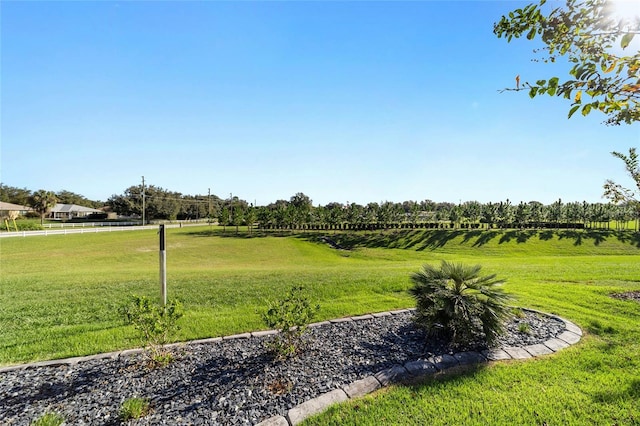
x=134 y=408
x=27 y=226
x=49 y=419
x=290 y=316
x=456 y=302
x=155 y=325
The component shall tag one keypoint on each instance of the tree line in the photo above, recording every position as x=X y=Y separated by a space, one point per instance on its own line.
x=42 y=201
x=24 y=196
x=299 y=213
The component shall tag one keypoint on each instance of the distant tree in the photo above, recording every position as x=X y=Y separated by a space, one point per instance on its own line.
x=556 y=212
x=68 y=197
x=585 y=33
x=489 y=214
x=371 y=213
x=389 y=213
x=522 y=214
x=414 y=212
x=455 y=215
x=42 y=202
x=14 y=195
x=471 y=211
x=584 y=212
x=504 y=213
x=237 y=215
x=355 y=214
x=538 y=213
x=428 y=206
x=160 y=203
x=428 y=210
x=300 y=213
x=600 y=214
x=250 y=217
x=197 y=206
x=264 y=216
x=573 y=212
x=334 y=214
x=224 y=218
x=621 y=195
x=443 y=210
x=280 y=213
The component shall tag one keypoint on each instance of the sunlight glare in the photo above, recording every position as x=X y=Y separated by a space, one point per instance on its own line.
x=629 y=11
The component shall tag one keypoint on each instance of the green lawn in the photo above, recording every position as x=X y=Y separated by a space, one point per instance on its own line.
x=59 y=297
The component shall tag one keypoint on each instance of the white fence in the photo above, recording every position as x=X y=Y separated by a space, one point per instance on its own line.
x=87 y=230
x=87 y=224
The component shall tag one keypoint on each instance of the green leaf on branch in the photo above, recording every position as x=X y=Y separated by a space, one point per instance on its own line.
x=576 y=32
x=626 y=40
x=573 y=110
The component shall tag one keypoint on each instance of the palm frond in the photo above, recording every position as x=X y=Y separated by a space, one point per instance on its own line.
x=455 y=299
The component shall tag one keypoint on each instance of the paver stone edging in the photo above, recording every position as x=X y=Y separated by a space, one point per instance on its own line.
x=421 y=368
x=411 y=369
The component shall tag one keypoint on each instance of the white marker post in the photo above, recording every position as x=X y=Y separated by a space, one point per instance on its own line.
x=163 y=267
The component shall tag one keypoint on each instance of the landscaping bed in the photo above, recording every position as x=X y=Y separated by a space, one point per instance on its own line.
x=233 y=381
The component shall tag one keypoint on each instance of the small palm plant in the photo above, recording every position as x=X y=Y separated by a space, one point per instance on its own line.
x=457 y=302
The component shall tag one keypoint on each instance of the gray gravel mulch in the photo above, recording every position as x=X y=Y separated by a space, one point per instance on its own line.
x=231 y=382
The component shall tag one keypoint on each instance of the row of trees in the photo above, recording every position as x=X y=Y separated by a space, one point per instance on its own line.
x=299 y=212
x=160 y=203
x=24 y=197
x=42 y=201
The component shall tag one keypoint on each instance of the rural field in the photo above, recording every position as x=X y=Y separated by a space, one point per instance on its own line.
x=60 y=295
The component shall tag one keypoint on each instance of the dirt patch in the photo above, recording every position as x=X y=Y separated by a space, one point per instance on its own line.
x=629 y=295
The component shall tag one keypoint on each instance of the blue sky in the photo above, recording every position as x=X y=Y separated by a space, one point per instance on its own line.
x=344 y=101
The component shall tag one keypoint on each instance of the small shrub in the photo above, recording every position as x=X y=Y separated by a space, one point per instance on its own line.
x=290 y=316
x=524 y=328
x=457 y=302
x=162 y=359
x=134 y=408
x=518 y=313
x=155 y=325
x=28 y=226
x=49 y=419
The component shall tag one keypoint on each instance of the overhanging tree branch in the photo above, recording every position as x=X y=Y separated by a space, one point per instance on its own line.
x=585 y=33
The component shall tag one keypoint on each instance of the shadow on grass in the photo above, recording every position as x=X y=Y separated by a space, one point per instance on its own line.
x=630 y=393
x=416 y=383
x=411 y=239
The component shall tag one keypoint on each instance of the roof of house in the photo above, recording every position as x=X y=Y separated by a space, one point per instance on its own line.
x=13 y=207
x=73 y=208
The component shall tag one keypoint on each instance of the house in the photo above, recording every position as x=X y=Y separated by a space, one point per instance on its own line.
x=13 y=210
x=71 y=211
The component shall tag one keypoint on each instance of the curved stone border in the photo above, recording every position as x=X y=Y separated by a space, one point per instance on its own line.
x=422 y=368
x=411 y=369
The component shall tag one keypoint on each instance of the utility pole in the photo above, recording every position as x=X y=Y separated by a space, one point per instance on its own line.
x=209 y=204
x=143 y=207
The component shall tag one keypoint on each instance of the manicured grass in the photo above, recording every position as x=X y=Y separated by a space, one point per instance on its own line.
x=59 y=295
x=595 y=382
